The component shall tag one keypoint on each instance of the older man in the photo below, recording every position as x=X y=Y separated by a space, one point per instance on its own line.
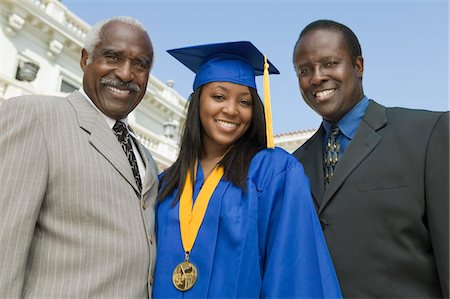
x=379 y=176
x=76 y=205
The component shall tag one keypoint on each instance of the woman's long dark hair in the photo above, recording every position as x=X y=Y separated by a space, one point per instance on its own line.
x=235 y=163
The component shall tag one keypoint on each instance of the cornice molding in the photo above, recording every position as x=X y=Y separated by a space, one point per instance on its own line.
x=50 y=21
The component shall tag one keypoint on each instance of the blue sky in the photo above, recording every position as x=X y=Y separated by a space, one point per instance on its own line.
x=405 y=44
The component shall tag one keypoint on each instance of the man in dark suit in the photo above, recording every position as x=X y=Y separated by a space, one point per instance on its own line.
x=379 y=176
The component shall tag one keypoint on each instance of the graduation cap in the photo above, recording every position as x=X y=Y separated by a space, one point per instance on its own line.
x=235 y=62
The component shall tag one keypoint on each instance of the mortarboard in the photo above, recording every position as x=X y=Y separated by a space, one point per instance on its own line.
x=235 y=62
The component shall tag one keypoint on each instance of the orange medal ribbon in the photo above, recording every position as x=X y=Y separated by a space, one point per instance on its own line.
x=191 y=216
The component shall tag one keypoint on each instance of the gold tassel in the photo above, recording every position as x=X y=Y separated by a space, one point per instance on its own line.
x=267 y=108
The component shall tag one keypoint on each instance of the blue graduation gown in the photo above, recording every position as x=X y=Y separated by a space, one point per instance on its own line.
x=265 y=243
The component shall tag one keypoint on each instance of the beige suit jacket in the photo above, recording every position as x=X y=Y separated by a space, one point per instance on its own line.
x=72 y=221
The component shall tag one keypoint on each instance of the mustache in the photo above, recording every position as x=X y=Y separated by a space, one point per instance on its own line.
x=119 y=83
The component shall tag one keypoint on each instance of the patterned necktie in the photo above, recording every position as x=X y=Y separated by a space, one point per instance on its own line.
x=331 y=155
x=124 y=138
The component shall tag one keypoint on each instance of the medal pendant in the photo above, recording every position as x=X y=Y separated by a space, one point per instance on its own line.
x=184 y=276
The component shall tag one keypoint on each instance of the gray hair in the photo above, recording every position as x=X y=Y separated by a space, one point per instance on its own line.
x=93 y=37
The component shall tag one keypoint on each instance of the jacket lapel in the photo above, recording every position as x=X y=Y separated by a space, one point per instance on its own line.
x=150 y=169
x=313 y=165
x=101 y=136
x=362 y=144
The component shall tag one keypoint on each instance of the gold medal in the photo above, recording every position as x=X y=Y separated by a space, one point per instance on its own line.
x=184 y=276
x=191 y=217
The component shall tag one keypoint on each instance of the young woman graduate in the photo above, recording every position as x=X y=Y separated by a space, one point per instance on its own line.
x=235 y=218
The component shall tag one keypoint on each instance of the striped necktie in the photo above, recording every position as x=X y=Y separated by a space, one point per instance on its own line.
x=121 y=131
x=331 y=154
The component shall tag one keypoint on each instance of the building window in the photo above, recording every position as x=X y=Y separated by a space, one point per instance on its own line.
x=27 y=71
x=67 y=86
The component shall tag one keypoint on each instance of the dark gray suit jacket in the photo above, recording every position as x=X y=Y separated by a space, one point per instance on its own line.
x=385 y=213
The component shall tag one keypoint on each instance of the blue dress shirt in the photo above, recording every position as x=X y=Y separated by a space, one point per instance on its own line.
x=347 y=124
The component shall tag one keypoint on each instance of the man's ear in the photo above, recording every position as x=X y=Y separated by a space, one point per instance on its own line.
x=359 y=66
x=84 y=58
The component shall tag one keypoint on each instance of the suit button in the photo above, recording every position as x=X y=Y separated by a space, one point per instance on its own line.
x=144 y=205
x=323 y=224
x=151 y=279
x=151 y=237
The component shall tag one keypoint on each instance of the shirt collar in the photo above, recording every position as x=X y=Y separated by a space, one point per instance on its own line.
x=351 y=120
